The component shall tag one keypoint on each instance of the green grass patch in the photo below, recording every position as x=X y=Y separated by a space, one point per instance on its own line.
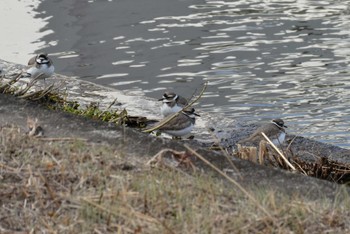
x=53 y=99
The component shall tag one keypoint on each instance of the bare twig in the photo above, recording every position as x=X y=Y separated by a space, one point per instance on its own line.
x=226 y=154
x=62 y=139
x=158 y=159
x=8 y=84
x=29 y=85
x=169 y=118
x=229 y=179
x=117 y=214
x=278 y=151
x=8 y=167
x=45 y=92
x=302 y=130
x=110 y=105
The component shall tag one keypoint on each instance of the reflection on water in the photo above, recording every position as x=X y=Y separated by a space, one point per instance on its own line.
x=262 y=59
x=20 y=31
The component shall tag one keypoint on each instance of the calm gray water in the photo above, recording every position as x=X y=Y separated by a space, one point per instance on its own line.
x=262 y=59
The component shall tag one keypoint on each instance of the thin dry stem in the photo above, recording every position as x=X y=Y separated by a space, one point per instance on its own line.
x=302 y=130
x=5 y=86
x=278 y=151
x=169 y=118
x=226 y=155
x=231 y=180
x=62 y=139
x=29 y=85
x=122 y=209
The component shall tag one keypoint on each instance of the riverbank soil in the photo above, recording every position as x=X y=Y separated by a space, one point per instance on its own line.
x=89 y=176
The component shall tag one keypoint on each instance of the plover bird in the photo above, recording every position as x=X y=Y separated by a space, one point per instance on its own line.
x=180 y=125
x=275 y=131
x=172 y=103
x=40 y=64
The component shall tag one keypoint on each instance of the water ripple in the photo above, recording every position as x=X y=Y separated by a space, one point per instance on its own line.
x=262 y=59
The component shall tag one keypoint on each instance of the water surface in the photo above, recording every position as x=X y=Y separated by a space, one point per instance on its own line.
x=262 y=59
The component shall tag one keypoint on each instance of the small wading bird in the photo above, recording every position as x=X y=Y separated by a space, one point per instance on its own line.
x=40 y=65
x=275 y=131
x=172 y=103
x=180 y=125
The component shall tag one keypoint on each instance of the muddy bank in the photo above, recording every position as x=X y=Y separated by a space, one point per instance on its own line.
x=131 y=141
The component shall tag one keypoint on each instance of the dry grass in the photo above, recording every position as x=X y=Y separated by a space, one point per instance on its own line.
x=322 y=168
x=80 y=187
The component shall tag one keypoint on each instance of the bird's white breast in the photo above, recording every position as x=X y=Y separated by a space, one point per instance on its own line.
x=280 y=139
x=166 y=110
x=44 y=69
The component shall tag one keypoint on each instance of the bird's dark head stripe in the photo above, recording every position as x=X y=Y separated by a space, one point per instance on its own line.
x=279 y=123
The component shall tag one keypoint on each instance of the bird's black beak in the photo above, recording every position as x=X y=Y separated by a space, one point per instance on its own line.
x=161 y=99
x=285 y=126
x=196 y=114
